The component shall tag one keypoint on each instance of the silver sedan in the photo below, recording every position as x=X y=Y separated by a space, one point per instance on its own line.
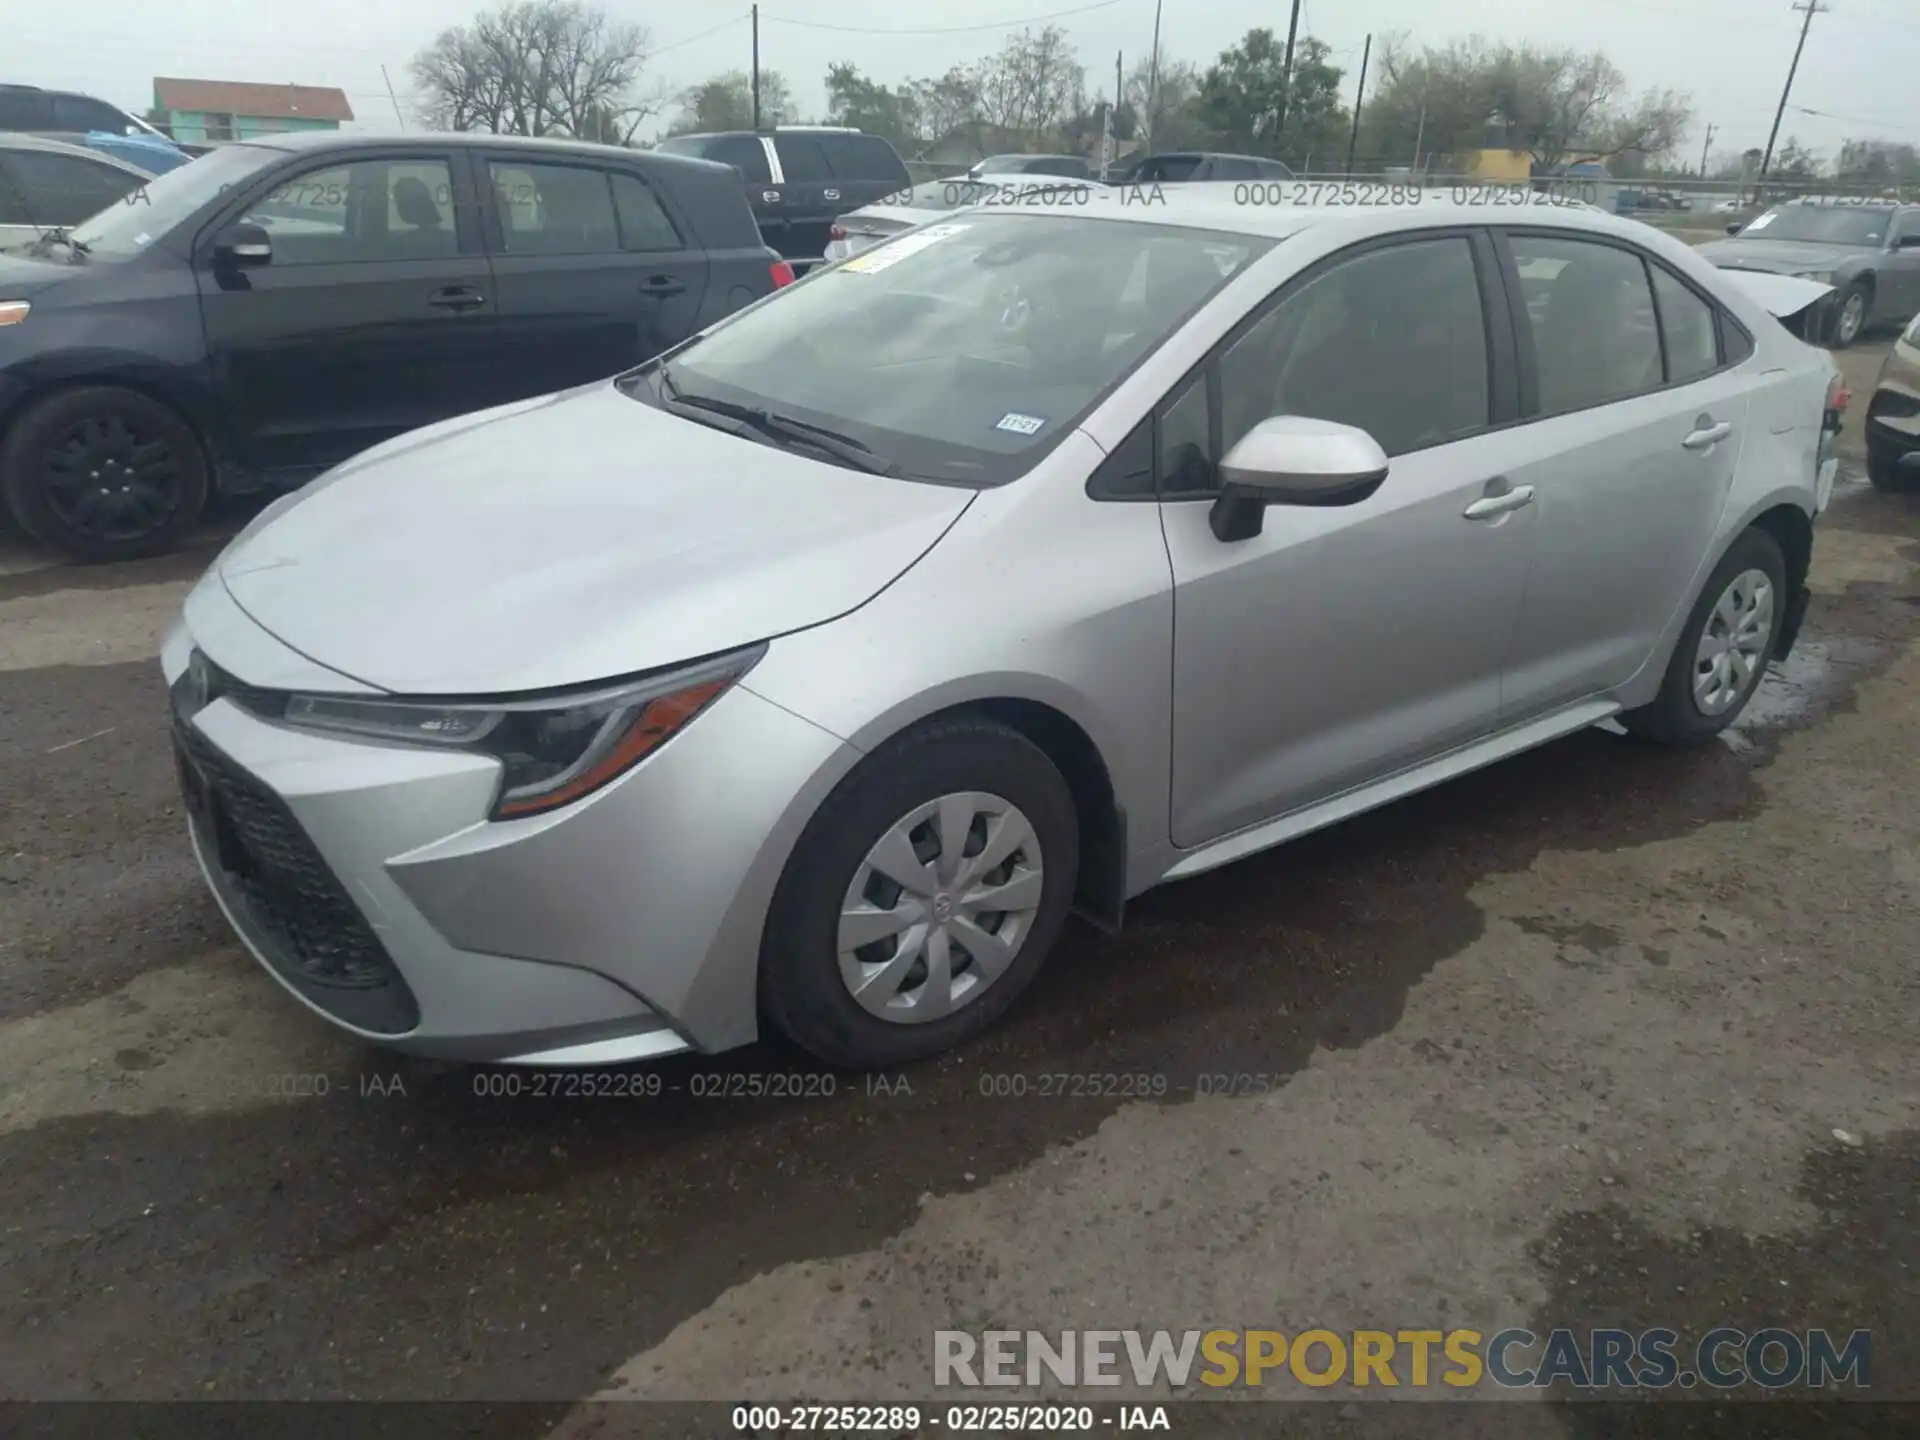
x=808 y=677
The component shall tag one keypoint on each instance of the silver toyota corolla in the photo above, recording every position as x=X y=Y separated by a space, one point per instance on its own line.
x=809 y=677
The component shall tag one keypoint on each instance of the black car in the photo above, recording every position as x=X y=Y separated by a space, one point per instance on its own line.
x=800 y=178
x=64 y=114
x=263 y=313
x=1196 y=166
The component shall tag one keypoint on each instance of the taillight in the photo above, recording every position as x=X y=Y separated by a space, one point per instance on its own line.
x=782 y=273
x=838 y=232
x=1838 y=398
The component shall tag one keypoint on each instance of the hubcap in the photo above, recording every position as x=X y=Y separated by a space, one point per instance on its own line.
x=940 y=907
x=1733 y=647
x=1852 y=315
x=111 y=479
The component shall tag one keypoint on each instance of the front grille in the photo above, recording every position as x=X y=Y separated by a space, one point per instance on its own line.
x=314 y=935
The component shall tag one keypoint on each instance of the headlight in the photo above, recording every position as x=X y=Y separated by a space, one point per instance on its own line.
x=552 y=750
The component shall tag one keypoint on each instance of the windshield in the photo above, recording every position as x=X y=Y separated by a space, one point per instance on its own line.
x=964 y=350
x=163 y=202
x=1821 y=224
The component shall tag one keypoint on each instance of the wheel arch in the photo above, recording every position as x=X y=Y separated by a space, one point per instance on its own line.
x=143 y=382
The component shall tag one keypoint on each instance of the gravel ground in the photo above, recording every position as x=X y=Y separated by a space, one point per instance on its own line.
x=1563 y=1043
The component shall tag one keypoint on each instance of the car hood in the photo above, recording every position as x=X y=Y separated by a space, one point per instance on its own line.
x=21 y=278
x=568 y=540
x=1779 y=256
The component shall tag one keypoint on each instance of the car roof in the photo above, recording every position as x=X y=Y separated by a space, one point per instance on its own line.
x=1223 y=207
x=301 y=141
x=16 y=140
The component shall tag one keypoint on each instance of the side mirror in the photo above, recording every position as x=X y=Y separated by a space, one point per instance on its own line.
x=1908 y=242
x=1293 y=460
x=1734 y=227
x=243 y=247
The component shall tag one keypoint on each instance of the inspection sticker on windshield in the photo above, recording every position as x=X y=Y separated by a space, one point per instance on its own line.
x=893 y=252
x=1020 y=424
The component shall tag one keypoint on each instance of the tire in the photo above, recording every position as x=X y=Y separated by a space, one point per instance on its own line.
x=1850 y=316
x=804 y=990
x=1883 y=469
x=1677 y=715
x=113 y=434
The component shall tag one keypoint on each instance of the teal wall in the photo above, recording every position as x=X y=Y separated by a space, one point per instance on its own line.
x=191 y=125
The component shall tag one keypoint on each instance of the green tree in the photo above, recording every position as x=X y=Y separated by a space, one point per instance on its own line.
x=865 y=104
x=725 y=102
x=1246 y=100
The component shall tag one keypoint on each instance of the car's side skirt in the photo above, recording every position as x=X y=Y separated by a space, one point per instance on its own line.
x=1397 y=786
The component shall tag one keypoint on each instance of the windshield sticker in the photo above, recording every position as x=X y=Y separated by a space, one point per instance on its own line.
x=143 y=239
x=894 y=251
x=1761 y=222
x=1016 y=423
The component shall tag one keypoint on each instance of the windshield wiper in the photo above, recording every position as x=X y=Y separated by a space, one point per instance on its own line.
x=59 y=236
x=843 y=448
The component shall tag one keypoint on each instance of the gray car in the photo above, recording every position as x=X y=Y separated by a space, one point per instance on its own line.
x=1867 y=250
x=807 y=678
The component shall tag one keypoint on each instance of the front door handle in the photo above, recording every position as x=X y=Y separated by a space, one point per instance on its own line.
x=456 y=297
x=663 y=285
x=1487 y=506
x=1707 y=434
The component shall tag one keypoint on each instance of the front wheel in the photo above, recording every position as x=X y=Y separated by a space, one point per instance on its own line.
x=103 y=473
x=922 y=899
x=1855 y=301
x=1723 y=649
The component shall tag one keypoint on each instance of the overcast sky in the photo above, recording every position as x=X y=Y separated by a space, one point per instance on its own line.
x=1862 y=62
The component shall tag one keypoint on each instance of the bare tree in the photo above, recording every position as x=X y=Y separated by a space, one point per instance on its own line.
x=941 y=106
x=1166 y=118
x=725 y=102
x=1034 y=83
x=538 y=67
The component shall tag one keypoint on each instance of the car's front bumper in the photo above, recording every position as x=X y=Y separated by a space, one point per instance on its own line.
x=623 y=927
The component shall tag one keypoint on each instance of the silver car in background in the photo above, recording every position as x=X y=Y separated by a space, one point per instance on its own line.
x=866 y=227
x=807 y=678
x=1868 y=250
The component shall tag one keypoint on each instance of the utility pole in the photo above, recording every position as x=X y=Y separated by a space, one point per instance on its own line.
x=1811 y=9
x=398 y=117
x=756 y=67
x=1286 y=83
x=1706 y=148
x=1359 y=95
x=1153 y=78
x=1110 y=151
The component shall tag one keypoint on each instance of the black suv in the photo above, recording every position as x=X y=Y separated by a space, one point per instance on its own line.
x=1196 y=166
x=275 y=307
x=800 y=178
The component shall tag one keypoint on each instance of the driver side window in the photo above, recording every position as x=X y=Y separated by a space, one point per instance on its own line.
x=1392 y=340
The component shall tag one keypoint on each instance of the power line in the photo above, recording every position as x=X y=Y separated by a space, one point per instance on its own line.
x=695 y=39
x=942 y=29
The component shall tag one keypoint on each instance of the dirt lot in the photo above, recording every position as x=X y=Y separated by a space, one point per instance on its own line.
x=1566 y=1042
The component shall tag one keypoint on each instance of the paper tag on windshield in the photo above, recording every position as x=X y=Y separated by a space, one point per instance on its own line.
x=1020 y=424
x=1761 y=222
x=894 y=251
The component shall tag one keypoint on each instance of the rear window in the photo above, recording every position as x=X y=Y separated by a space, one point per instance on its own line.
x=802 y=158
x=24 y=110
x=1172 y=168
x=743 y=152
x=864 y=157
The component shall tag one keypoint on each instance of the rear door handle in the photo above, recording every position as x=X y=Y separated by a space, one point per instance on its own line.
x=663 y=285
x=1487 y=506
x=1708 y=435
x=456 y=297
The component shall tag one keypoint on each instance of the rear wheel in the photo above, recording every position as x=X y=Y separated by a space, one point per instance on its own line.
x=922 y=899
x=1723 y=649
x=103 y=473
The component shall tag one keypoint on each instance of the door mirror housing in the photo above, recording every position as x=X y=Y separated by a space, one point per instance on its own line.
x=1734 y=227
x=243 y=246
x=1908 y=242
x=1294 y=460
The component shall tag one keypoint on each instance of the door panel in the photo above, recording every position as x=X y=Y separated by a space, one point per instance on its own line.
x=1340 y=645
x=592 y=274
x=1626 y=515
x=347 y=336
x=1630 y=470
